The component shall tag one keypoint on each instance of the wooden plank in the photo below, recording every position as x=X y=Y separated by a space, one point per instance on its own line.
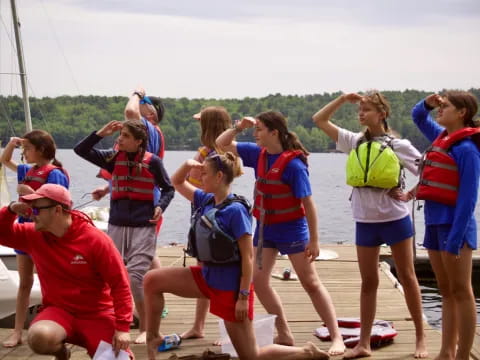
x=340 y=276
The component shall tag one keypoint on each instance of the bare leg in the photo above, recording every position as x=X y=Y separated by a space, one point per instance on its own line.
x=269 y=297
x=174 y=280
x=156 y=264
x=320 y=298
x=368 y=264
x=25 y=272
x=201 y=311
x=403 y=256
x=449 y=319
x=47 y=337
x=140 y=308
x=243 y=340
x=459 y=270
x=197 y=330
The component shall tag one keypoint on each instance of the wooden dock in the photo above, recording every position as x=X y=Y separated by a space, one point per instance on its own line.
x=340 y=276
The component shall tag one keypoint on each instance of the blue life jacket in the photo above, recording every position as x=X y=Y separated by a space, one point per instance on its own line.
x=207 y=241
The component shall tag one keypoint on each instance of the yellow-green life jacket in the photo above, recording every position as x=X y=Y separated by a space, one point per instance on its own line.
x=374 y=163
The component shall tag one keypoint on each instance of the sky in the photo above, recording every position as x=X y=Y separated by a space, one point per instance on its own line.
x=237 y=49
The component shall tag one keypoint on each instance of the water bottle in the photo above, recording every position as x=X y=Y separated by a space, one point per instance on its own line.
x=286 y=273
x=170 y=342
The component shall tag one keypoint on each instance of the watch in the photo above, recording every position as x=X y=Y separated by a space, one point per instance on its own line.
x=244 y=292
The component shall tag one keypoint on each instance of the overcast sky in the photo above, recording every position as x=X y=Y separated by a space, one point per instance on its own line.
x=234 y=49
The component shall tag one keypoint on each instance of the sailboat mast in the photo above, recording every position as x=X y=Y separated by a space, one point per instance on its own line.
x=21 y=66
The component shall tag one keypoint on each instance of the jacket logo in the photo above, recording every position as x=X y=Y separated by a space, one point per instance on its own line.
x=78 y=260
x=40 y=172
x=275 y=170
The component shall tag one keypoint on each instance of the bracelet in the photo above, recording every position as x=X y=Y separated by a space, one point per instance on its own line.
x=141 y=96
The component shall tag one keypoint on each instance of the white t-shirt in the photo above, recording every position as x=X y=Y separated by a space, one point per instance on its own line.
x=372 y=205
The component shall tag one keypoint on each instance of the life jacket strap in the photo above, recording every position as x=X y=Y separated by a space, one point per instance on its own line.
x=132 y=189
x=437 y=184
x=131 y=178
x=440 y=165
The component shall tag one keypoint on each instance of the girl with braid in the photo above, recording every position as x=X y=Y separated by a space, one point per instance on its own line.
x=38 y=149
x=133 y=214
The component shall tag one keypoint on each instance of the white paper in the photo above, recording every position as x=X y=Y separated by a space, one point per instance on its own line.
x=105 y=352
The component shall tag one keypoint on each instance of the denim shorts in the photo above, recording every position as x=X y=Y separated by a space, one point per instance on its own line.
x=285 y=247
x=390 y=232
x=436 y=236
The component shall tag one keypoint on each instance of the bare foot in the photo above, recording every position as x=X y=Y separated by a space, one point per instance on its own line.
x=142 y=338
x=315 y=352
x=421 y=349
x=192 y=334
x=152 y=346
x=357 y=352
x=337 y=348
x=286 y=340
x=219 y=342
x=14 y=339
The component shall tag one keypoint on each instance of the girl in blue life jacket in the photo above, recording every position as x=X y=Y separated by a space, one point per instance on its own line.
x=286 y=217
x=450 y=233
x=379 y=217
x=228 y=285
x=38 y=149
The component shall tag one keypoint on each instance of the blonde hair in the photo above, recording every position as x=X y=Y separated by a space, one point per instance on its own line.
x=227 y=163
x=214 y=120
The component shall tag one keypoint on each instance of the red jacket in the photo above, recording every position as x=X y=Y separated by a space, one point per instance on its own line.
x=439 y=178
x=274 y=196
x=37 y=176
x=82 y=272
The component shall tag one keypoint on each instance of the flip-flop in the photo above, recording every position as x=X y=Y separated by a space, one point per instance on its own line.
x=164 y=312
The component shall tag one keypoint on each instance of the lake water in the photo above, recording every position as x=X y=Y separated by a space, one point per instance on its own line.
x=330 y=193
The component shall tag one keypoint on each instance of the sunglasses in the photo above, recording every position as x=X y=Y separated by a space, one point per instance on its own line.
x=36 y=209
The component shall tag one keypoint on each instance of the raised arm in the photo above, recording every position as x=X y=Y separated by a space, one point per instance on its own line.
x=179 y=181
x=132 y=109
x=6 y=157
x=225 y=141
x=323 y=116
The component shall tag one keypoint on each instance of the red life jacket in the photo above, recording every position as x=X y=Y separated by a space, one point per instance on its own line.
x=274 y=196
x=37 y=176
x=127 y=183
x=161 y=151
x=439 y=178
x=105 y=175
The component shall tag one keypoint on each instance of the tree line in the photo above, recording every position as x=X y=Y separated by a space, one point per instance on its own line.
x=70 y=118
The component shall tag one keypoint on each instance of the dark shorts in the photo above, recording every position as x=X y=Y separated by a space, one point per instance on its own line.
x=285 y=248
x=436 y=236
x=86 y=333
x=390 y=232
x=222 y=302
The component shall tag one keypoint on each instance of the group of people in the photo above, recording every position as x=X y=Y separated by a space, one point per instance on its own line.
x=87 y=298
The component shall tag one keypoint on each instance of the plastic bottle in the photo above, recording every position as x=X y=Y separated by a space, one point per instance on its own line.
x=286 y=273
x=170 y=342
